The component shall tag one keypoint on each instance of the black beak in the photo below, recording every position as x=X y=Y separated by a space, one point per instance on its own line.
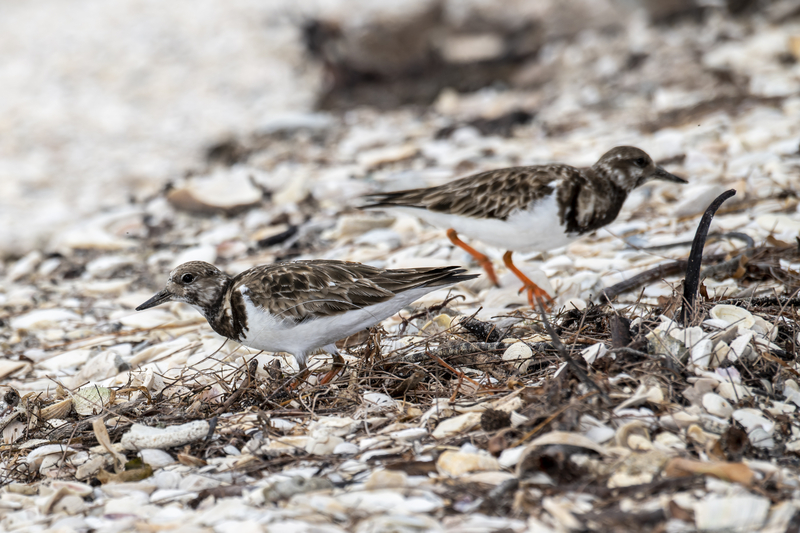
x=159 y=298
x=661 y=174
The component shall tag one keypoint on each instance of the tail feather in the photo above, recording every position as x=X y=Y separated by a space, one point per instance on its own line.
x=409 y=198
x=400 y=280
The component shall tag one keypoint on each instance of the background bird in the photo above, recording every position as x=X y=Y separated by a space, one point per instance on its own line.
x=532 y=208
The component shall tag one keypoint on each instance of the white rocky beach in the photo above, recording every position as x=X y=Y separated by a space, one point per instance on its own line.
x=136 y=136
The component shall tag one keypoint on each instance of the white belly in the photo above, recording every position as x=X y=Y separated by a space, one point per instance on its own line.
x=271 y=333
x=531 y=230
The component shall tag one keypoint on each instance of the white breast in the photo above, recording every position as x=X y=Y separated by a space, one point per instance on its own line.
x=274 y=334
x=533 y=229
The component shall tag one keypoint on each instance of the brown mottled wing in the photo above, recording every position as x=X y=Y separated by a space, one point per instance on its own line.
x=491 y=194
x=303 y=290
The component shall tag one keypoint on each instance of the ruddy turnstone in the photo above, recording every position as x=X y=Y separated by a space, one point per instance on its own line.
x=300 y=306
x=533 y=208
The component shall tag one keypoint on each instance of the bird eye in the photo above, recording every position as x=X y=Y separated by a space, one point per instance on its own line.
x=640 y=162
x=187 y=278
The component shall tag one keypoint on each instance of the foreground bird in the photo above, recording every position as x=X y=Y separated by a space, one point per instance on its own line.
x=534 y=208
x=300 y=306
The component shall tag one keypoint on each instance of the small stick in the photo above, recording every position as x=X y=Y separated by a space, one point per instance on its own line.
x=562 y=350
x=453 y=370
x=549 y=419
x=250 y=373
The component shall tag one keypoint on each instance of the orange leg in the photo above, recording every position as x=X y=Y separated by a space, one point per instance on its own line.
x=532 y=288
x=482 y=260
x=298 y=380
x=338 y=365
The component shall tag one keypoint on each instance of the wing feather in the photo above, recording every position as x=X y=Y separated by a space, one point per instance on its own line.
x=492 y=194
x=304 y=290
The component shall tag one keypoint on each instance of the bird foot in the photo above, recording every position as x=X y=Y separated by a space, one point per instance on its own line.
x=338 y=365
x=539 y=293
x=328 y=377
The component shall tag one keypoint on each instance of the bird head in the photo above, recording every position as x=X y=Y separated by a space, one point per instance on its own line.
x=629 y=167
x=196 y=283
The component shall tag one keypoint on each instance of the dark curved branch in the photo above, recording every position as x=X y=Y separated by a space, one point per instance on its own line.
x=692 y=280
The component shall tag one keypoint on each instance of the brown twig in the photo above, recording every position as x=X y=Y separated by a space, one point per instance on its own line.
x=562 y=350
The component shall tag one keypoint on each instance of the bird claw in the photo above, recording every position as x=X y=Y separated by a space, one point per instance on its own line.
x=541 y=295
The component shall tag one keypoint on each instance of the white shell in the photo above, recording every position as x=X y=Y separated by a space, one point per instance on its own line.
x=740 y=348
x=765 y=328
x=733 y=315
x=701 y=353
x=740 y=513
x=594 y=352
x=57 y=410
x=733 y=391
x=716 y=405
x=518 y=352
x=752 y=419
x=457 y=424
x=456 y=463
x=437 y=324
x=91 y=400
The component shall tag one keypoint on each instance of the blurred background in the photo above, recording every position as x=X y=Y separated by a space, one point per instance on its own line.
x=108 y=103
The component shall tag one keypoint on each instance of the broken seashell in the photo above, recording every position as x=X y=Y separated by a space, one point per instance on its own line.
x=456 y=463
x=701 y=353
x=716 y=405
x=733 y=392
x=57 y=410
x=733 y=315
x=764 y=328
x=594 y=352
x=663 y=344
x=740 y=513
x=457 y=424
x=752 y=419
x=437 y=324
x=626 y=431
x=92 y=399
x=518 y=353
x=719 y=354
x=741 y=347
